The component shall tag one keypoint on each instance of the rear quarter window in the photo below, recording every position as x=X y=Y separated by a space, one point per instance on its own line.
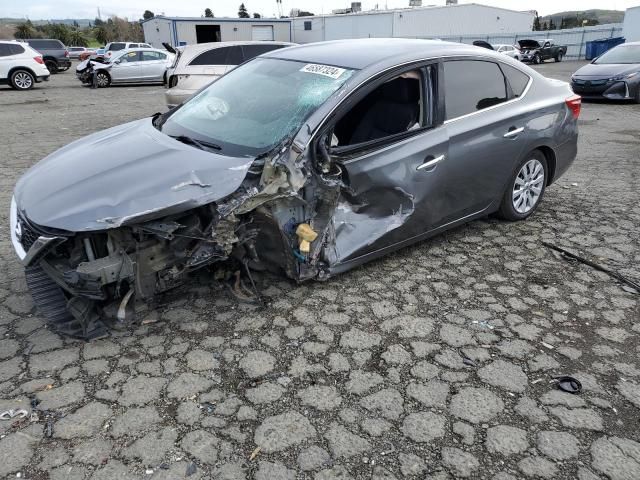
x=215 y=56
x=517 y=80
x=472 y=85
x=16 y=49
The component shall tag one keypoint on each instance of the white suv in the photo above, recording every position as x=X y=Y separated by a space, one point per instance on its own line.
x=21 y=66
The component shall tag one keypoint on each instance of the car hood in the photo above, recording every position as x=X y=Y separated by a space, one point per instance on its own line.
x=606 y=70
x=528 y=44
x=124 y=175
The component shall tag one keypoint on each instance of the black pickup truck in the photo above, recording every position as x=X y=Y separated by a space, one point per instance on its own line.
x=535 y=51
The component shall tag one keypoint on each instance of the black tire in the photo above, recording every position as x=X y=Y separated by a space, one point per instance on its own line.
x=559 y=57
x=103 y=79
x=52 y=66
x=507 y=209
x=537 y=59
x=22 y=80
x=637 y=99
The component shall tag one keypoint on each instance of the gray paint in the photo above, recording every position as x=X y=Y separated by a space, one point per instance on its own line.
x=132 y=172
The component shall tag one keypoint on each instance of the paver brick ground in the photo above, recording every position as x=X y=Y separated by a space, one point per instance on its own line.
x=433 y=362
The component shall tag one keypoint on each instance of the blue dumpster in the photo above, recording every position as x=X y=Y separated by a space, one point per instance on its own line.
x=595 y=48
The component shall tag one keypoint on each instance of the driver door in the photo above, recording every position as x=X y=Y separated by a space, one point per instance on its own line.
x=126 y=68
x=395 y=181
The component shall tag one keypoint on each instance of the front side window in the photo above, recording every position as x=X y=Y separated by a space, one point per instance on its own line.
x=130 y=57
x=624 y=54
x=392 y=108
x=472 y=85
x=246 y=121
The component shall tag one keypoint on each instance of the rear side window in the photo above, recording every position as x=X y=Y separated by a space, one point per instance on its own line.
x=16 y=49
x=116 y=46
x=252 y=51
x=234 y=57
x=472 y=85
x=46 y=44
x=149 y=56
x=215 y=56
x=517 y=79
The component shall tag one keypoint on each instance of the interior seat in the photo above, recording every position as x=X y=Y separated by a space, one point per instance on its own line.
x=395 y=110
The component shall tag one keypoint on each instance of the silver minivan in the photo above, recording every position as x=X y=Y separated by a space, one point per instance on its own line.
x=198 y=65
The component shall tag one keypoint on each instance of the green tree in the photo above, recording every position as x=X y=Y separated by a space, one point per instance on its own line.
x=97 y=22
x=545 y=26
x=148 y=14
x=78 y=39
x=536 y=24
x=242 y=11
x=552 y=26
x=24 y=30
x=208 y=13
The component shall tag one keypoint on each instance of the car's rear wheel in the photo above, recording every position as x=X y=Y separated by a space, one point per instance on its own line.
x=52 y=66
x=537 y=59
x=103 y=79
x=559 y=57
x=22 y=80
x=526 y=188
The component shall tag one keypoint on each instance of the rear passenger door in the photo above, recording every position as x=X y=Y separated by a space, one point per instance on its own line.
x=485 y=124
x=153 y=65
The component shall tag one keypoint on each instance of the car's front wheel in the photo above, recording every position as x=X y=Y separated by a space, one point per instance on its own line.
x=22 y=80
x=103 y=79
x=526 y=188
x=637 y=99
x=537 y=59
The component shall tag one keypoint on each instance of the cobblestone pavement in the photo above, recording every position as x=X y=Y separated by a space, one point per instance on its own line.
x=431 y=363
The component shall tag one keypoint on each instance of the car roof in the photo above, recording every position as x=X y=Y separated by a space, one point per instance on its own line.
x=362 y=53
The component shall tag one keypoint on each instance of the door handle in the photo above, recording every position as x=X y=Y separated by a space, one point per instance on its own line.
x=430 y=162
x=513 y=132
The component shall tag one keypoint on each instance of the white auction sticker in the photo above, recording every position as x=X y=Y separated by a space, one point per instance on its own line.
x=326 y=70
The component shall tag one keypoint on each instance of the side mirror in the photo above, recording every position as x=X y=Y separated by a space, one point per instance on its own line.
x=118 y=61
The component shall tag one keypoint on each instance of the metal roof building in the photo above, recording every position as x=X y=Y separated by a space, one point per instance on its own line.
x=418 y=22
x=178 y=31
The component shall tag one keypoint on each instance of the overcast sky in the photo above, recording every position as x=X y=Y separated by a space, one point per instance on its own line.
x=46 y=9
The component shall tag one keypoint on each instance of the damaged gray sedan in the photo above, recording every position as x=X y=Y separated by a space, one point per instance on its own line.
x=308 y=161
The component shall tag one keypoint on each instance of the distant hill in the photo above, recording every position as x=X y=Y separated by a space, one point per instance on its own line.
x=597 y=17
x=82 y=22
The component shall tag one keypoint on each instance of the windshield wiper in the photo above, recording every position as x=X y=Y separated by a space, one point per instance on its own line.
x=197 y=143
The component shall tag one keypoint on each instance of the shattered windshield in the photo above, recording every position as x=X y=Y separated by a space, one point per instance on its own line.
x=257 y=105
x=620 y=55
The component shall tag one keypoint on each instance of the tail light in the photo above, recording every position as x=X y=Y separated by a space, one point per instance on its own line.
x=66 y=53
x=575 y=104
x=39 y=60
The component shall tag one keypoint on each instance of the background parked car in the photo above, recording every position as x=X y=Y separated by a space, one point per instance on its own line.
x=75 y=52
x=54 y=53
x=614 y=75
x=138 y=65
x=509 y=50
x=198 y=65
x=537 y=52
x=112 y=47
x=21 y=66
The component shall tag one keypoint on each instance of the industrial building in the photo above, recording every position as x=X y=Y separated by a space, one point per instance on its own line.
x=631 y=28
x=416 y=22
x=419 y=22
x=178 y=31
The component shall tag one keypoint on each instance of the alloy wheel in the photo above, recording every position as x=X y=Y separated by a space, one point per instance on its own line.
x=528 y=186
x=103 y=80
x=23 y=80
